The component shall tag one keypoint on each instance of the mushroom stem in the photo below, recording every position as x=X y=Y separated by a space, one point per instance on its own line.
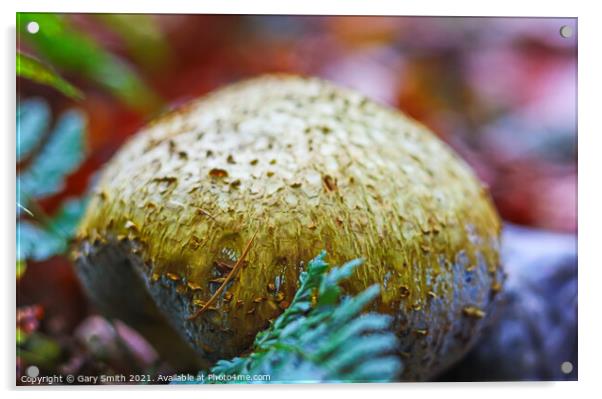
x=230 y=276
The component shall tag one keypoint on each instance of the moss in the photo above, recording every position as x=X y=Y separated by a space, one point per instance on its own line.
x=305 y=166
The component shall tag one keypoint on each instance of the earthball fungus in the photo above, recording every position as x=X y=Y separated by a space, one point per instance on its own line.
x=201 y=223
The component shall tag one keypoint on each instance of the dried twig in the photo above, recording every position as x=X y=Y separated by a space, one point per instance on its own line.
x=229 y=277
x=201 y=211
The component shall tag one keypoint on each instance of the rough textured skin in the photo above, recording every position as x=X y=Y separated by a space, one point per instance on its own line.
x=305 y=166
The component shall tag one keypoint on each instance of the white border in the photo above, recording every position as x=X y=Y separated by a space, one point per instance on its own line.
x=590 y=201
x=332 y=7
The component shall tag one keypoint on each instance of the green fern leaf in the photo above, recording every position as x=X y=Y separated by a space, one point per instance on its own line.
x=45 y=164
x=321 y=339
x=61 y=155
x=41 y=240
x=33 y=119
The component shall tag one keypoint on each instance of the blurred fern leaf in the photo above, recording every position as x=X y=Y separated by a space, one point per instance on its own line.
x=30 y=68
x=40 y=241
x=321 y=337
x=33 y=118
x=44 y=162
x=62 y=153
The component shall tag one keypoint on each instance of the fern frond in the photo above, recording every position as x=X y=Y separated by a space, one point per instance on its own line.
x=321 y=337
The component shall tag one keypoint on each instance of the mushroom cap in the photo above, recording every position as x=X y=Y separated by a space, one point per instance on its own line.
x=290 y=166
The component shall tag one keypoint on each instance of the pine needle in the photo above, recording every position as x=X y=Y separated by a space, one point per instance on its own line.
x=228 y=278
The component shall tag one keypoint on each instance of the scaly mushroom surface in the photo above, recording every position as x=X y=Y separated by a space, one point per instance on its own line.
x=201 y=223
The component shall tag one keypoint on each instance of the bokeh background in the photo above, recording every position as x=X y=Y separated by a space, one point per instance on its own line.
x=500 y=91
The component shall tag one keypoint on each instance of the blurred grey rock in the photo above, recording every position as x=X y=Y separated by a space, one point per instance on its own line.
x=534 y=330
